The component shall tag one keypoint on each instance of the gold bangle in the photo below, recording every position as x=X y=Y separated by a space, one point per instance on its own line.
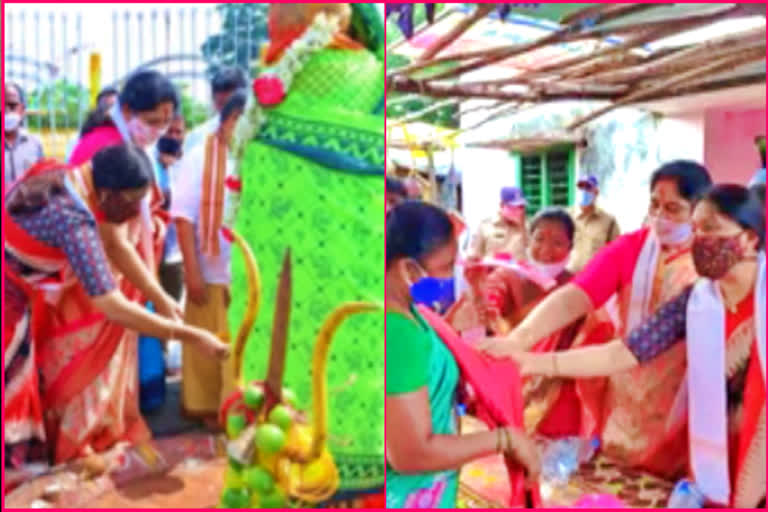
x=507 y=442
x=555 y=369
x=498 y=440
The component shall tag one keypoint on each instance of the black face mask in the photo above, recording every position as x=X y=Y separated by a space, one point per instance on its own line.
x=169 y=146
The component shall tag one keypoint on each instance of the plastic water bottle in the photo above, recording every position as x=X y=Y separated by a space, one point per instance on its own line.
x=562 y=457
x=173 y=357
x=686 y=495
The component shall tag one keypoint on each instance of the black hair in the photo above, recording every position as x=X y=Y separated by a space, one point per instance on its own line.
x=121 y=167
x=692 y=179
x=143 y=91
x=758 y=189
x=95 y=118
x=107 y=91
x=556 y=215
x=235 y=103
x=395 y=186
x=146 y=89
x=227 y=80
x=742 y=205
x=19 y=91
x=414 y=229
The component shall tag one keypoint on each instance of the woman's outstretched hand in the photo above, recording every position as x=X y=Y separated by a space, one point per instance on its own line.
x=526 y=452
x=170 y=308
x=499 y=347
x=209 y=344
x=530 y=363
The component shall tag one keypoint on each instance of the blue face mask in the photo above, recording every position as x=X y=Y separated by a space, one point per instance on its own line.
x=585 y=197
x=433 y=292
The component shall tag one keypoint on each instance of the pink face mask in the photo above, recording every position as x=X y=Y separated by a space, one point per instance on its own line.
x=512 y=213
x=142 y=134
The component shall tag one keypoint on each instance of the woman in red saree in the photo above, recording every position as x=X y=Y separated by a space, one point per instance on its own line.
x=642 y=270
x=70 y=363
x=719 y=323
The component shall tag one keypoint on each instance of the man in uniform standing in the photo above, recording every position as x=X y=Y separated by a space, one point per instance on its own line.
x=594 y=227
x=506 y=231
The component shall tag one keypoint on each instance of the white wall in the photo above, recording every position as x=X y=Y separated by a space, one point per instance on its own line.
x=681 y=136
x=485 y=172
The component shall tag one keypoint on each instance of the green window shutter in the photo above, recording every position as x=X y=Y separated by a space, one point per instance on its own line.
x=532 y=181
x=547 y=178
x=558 y=178
x=571 y=177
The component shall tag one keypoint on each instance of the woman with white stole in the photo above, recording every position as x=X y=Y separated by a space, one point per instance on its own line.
x=721 y=320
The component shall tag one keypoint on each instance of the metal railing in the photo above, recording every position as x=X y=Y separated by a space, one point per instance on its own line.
x=50 y=54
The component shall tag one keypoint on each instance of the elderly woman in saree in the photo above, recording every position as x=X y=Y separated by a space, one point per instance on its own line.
x=70 y=366
x=719 y=324
x=500 y=296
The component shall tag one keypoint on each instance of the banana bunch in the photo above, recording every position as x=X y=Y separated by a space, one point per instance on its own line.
x=275 y=455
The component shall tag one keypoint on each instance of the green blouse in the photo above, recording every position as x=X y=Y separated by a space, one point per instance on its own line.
x=417 y=358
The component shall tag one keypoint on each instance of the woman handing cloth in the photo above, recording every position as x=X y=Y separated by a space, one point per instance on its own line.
x=721 y=321
x=642 y=270
x=66 y=319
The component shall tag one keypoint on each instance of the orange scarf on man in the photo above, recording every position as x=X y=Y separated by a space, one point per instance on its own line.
x=212 y=199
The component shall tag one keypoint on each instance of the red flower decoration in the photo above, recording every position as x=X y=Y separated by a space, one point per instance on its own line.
x=269 y=90
x=227 y=233
x=233 y=183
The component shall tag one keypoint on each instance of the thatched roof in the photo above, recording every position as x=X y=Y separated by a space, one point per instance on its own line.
x=618 y=54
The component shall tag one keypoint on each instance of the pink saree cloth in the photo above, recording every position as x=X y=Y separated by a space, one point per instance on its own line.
x=612 y=268
x=91 y=143
x=499 y=396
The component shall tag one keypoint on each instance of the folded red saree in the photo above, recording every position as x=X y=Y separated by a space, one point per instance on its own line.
x=498 y=393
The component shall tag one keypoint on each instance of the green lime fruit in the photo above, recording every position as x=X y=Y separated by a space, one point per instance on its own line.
x=259 y=479
x=289 y=397
x=235 y=425
x=253 y=397
x=235 y=498
x=269 y=439
x=233 y=479
x=273 y=500
x=281 y=417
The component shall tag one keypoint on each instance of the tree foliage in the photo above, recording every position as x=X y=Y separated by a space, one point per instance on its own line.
x=194 y=111
x=58 y=104
x=243 y=32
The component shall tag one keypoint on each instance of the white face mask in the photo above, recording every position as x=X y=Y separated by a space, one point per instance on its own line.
x=669 y=232
x=11 y=121
x=142 y=134
x=551 y=270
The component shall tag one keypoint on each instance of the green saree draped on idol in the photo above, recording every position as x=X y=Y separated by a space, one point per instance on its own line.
x=313 y=181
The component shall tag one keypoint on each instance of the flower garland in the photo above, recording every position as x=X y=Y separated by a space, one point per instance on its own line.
x=269 y=89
